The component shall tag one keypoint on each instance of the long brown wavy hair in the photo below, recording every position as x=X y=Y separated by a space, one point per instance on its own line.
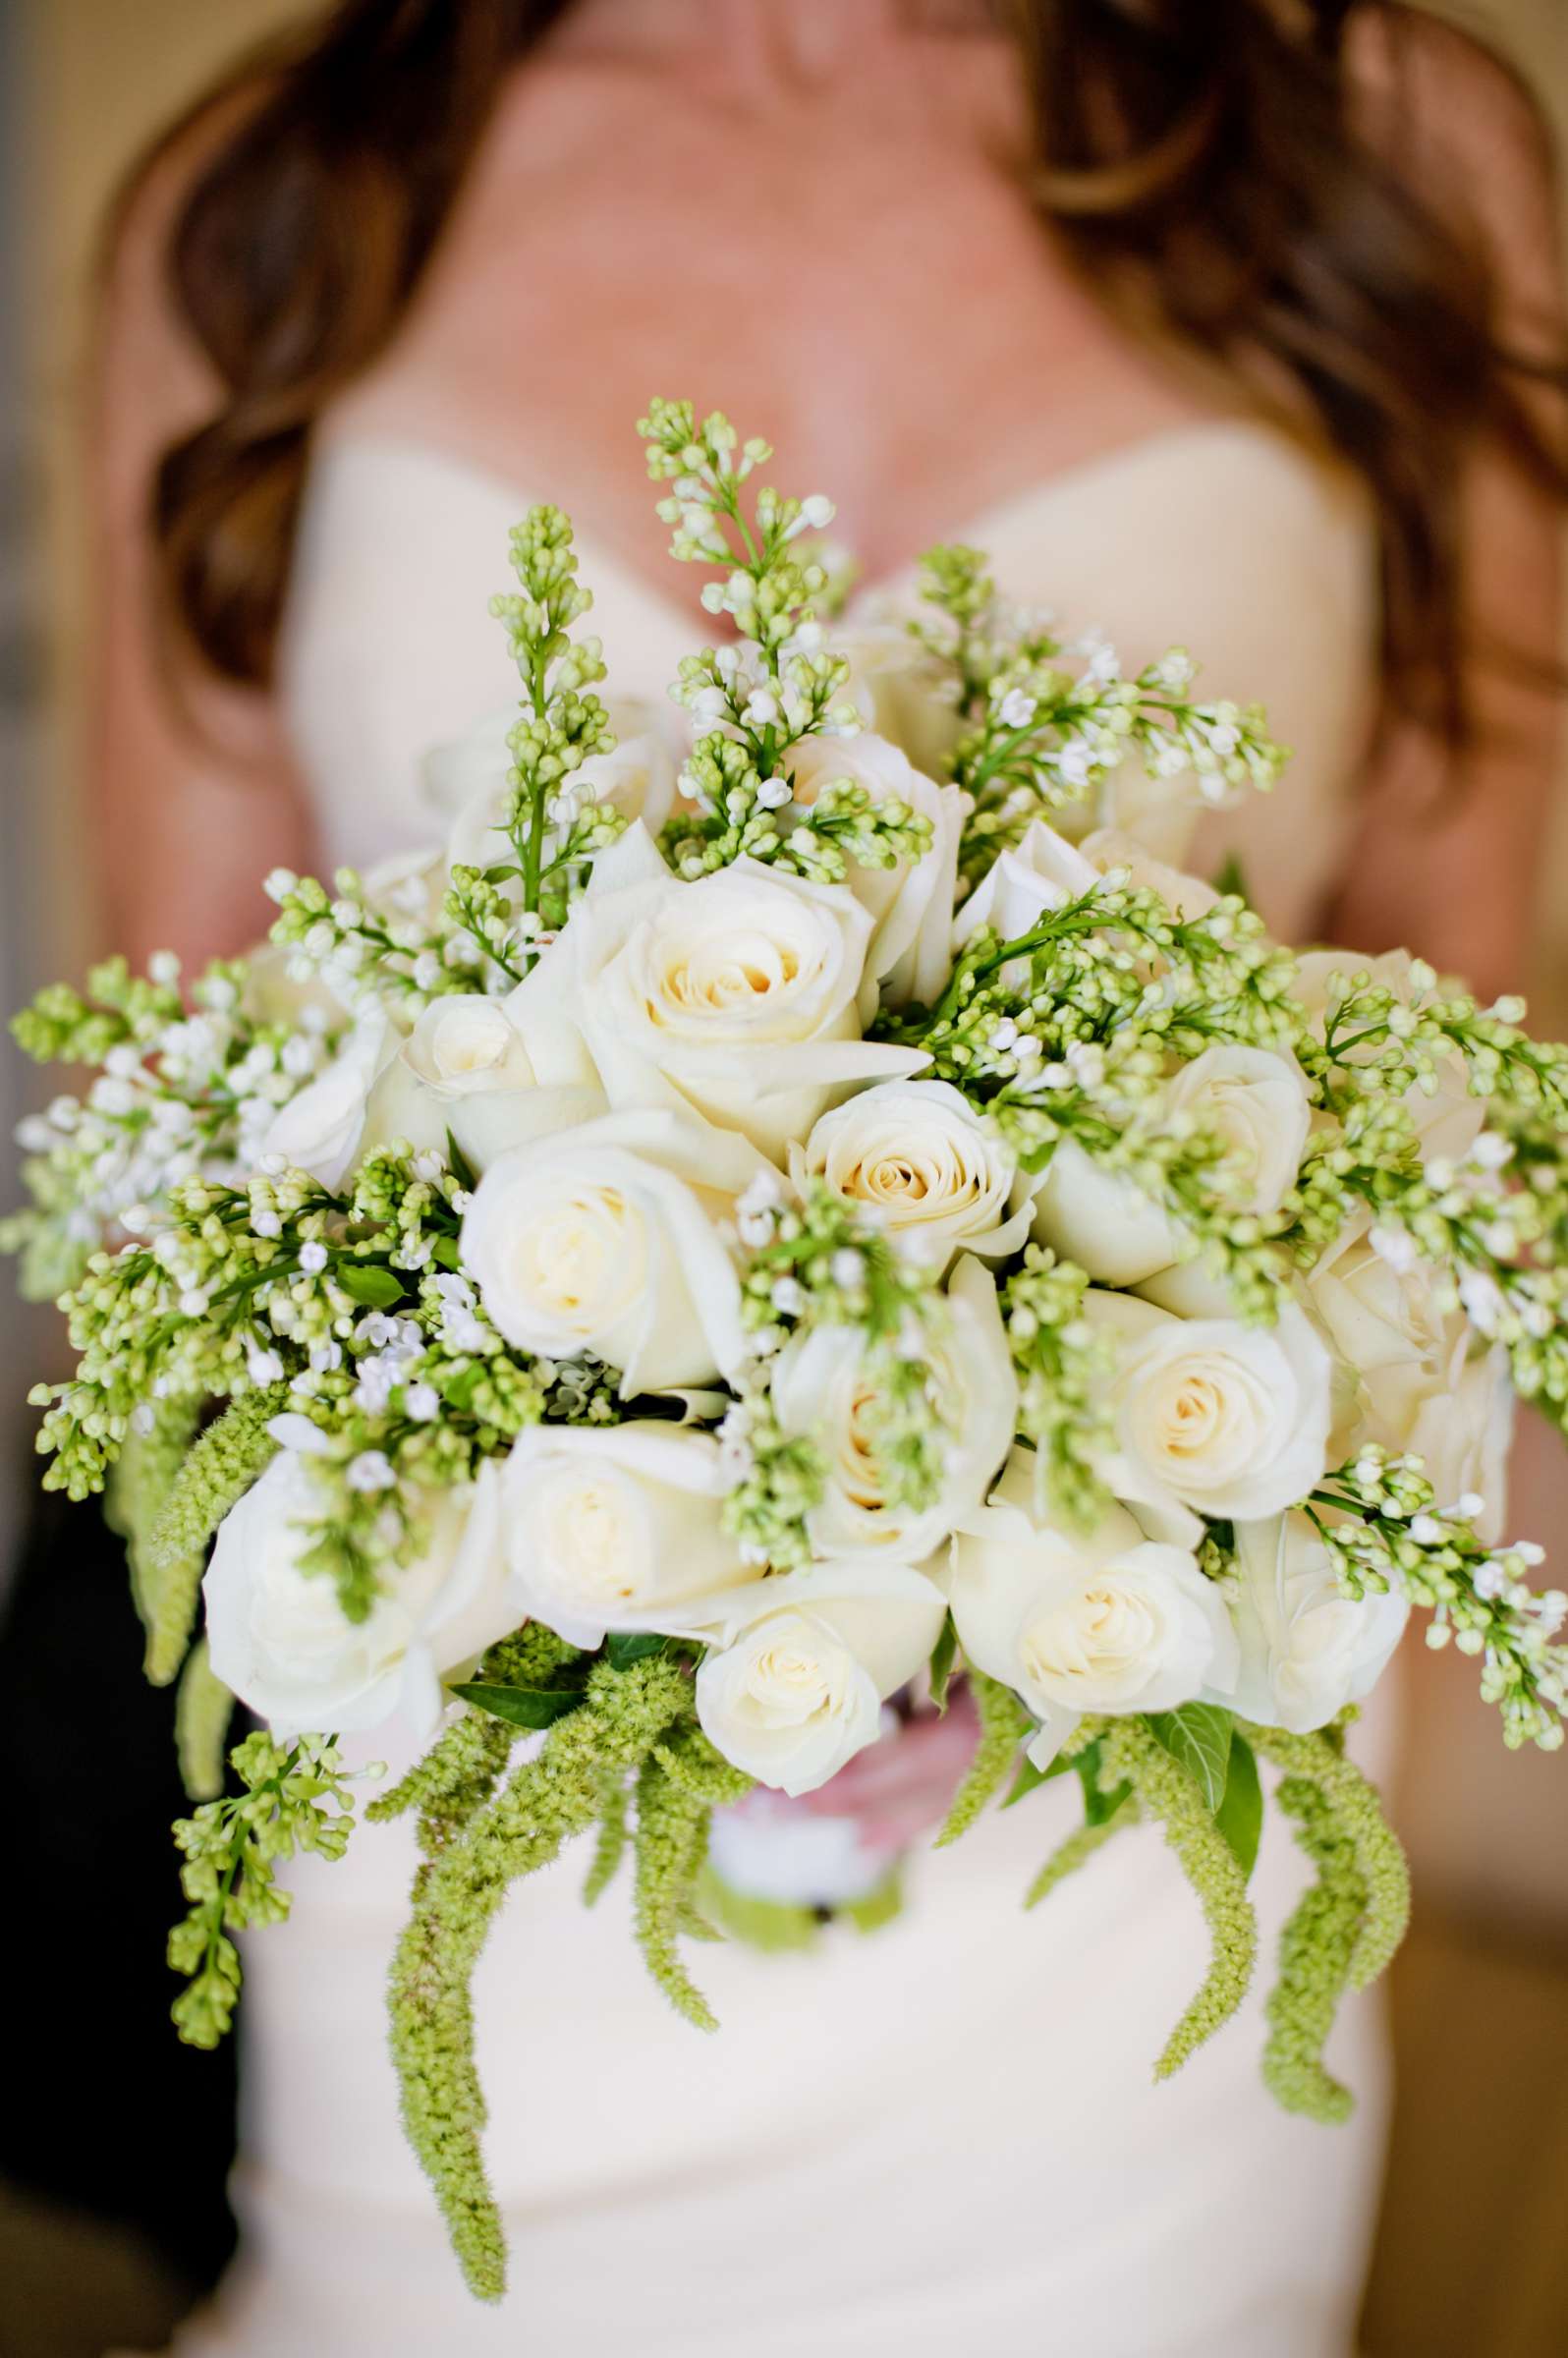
x=1198 y=161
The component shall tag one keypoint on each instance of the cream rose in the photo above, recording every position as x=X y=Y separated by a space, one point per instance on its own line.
x=1076 y=1622
x=898 y=689
x=1110 y=848
x=917 y=1154
x=800 y=1666
x=826 y=1386
x=465 y=1069
x=1229 y=1420
x=605 y=1240
x=1041 y=872
x=739 y=996
x=1306 y=1648
x=280 y=1640
x=320 y=1131
x=910 y=951
x=1254 y=1099
x=615 y=1526
x=1448 y=1120
x=1416 y=1374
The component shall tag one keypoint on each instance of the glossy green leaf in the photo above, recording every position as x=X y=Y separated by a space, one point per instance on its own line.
x=1240 y=1814
x=943 y=1654
x=1199 y=1735
x=458 y=1163
x=624 y=1647
x=522 y=1706
x=368 y=1283
x=1232 y=879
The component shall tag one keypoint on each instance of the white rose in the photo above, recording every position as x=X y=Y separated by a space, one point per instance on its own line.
x=1076 y=1622
x=1254 y=1099
x=1417 y=1376
x=740 y=995
x=319 y=1130
x=280 y=1640
x=1041 y=872
x=1449 y=1120
x=471 y=778
x=919 y=1154
x=605 y=1239
x=898 y=689
x=465 y=1069
x=802 y=1664
x=824 y=1385
x=1230 y=1420
x=615 y=1526
x=910 y=951
x=1108 y=848
x=1306 y=1648
x=1160 y=812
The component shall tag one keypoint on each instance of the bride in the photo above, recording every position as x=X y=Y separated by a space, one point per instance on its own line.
x=1225 y=317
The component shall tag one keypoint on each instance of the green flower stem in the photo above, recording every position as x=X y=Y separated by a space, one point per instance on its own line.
x=457 y=1896
x=1170 y=1794
x=1004 y=1723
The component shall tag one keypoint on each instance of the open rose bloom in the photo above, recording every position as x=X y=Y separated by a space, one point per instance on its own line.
x=796 y=1208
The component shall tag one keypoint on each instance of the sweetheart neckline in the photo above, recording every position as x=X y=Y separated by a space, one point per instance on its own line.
x=599 y=558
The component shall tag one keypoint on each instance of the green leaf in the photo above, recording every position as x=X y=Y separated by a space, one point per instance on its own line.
x=1240 y=1816
x=1198 y=1736
x=1232 y=878
x=522 y=1706
x=624 y=1647
x=1029 y=1776
x=458 y=1163
x=942 y=1658
x=502 y=873
x=445 y=1254
x=1098 y=1808
x=368 y=1281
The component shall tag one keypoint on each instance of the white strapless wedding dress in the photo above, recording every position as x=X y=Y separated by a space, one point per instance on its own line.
x=944 y=2137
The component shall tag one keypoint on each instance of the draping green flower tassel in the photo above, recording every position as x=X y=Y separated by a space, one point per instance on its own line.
x=202 y=1710
x=609 y=1848
x=1315 y=1958
x=456 y=1896
x=1003 y=1723
x=216 y=1473
x=677 y=1789
x=1077 y=1849
x=457 y=1775
x=139 y=1484
x=1169 y=1793
x=1380 y=1856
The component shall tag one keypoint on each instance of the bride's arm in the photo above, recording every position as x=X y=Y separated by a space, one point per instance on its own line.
x=1450 y=862
x=192 y=795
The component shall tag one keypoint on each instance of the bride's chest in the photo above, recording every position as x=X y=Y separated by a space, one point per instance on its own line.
x=886 y=311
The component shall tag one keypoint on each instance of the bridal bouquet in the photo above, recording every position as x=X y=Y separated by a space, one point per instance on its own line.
x=796 y=1202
